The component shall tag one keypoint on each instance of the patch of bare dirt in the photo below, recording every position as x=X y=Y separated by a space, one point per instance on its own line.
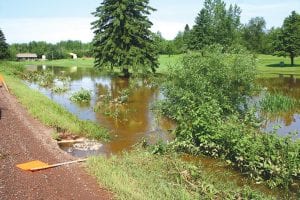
x=24 y=139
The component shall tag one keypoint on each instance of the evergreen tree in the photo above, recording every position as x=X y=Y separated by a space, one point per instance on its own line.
x=3 y=46
x=215 y=25
x=288 y=42
x=122 y=36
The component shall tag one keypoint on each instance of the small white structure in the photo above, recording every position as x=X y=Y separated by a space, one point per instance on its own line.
x=44 y=57
x=74 y=56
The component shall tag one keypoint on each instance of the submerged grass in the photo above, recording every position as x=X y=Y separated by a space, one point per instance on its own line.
x=47 y=111
x=81 y=96
x=141 y=175
x=278 y=103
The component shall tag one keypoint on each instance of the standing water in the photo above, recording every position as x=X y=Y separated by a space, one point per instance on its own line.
x=128 y=123
x=134 y=121
x=289 y=121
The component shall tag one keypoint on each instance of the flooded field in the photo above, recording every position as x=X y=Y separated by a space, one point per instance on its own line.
x=288 y=122
x=128 y=123
x=134 y=121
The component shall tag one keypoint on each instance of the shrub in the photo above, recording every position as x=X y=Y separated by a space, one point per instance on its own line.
x=81 y=96
x=207 y=97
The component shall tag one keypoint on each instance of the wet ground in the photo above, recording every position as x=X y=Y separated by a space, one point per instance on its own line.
x=134 y=120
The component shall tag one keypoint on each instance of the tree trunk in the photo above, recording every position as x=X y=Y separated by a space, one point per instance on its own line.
x=292 y=60
x=126 y=72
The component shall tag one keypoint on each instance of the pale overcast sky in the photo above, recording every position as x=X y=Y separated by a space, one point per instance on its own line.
x=56 y=20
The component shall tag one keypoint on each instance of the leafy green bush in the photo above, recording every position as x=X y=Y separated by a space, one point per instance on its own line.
x=81 y=96
x=207 y=97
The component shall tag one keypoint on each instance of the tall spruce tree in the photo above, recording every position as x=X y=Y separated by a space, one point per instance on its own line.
x=215 y=24
x=122 y=36
x=288 y=41
x=3 y=46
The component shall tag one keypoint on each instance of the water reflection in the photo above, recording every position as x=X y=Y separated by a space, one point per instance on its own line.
x=289 y=122
x=137 y=123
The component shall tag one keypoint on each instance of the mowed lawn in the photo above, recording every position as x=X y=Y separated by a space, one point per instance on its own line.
x=267 y=65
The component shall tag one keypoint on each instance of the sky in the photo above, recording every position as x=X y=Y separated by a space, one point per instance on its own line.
x=56 y=20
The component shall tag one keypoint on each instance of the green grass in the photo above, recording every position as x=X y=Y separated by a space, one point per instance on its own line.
x=143 y=176
x=268 y=66
x=166 y=62
x=47 y=111
x=80 y=62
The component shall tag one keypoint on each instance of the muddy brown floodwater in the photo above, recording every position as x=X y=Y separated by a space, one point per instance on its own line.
x=288 y=122
x=134 y=121
x=128 y=123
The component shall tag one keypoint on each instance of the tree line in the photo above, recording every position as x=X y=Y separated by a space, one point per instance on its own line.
x=218 y=24
x=128 y=35
x=59 y=50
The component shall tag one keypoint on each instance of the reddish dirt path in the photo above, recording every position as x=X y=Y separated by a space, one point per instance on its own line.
x=23 y=139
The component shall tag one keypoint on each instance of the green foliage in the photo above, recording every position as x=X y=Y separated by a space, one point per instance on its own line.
x=59 y=50
x=81 y=96
x=181 y=41
x=13 y=70
x=42 y=78
x=123 y=37
x=215 y=24
x=60 y=89
x=254 y=34
x=269 y=42
x=142 y=175
x=211 y=79
x=288 y=41
x=207 y=97
x=278 y=103
x=3 y=46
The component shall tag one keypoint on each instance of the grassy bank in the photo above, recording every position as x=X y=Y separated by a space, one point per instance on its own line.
x=141 y=175
x=47 y=111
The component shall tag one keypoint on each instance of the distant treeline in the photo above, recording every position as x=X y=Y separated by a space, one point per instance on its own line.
x=59 y=50
x=217 y=23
